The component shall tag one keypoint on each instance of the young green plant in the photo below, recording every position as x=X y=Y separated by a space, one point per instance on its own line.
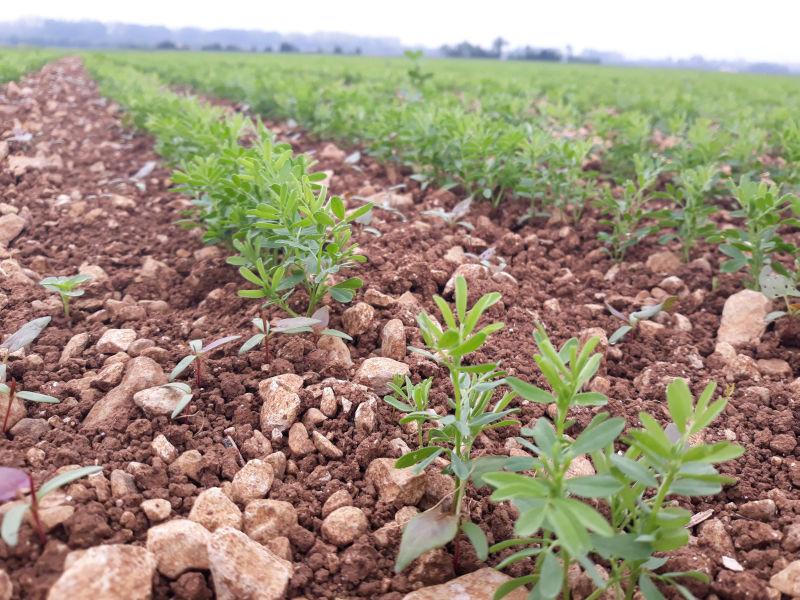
x=624 y=214
x=558 y=524
x=449 y=343
x=10 y=391
x=197 y=356
x=643 y=314
x=19 y=339
x=757 y=242
x=15 y=484
x=689 y=218
x=66 y=287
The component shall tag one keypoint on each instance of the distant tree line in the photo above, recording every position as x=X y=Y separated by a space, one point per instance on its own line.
x=467 y=50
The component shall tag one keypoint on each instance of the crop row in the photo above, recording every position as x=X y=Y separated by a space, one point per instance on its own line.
x=263 y=203
x=14 y=63
x=657 y=154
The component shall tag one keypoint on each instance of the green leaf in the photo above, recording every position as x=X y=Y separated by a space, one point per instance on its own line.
x=551 y=579
x=426 y=531
x=530 y=520
x=12 y=520
x=337 y=207
x=529 y=392
x=181 y=366
x=35 y=397
x=598 y=436
x=679 y=401
x=412 y=458
x=25 y=334
x=251 y=277
x=593 y=486
x=621 y=546
x=649 y=589
x=563 y=522
x=252 y=343
x=64 y=478
x=506 y=588
x=477 y=538
x=590 y=399
x=587 y=516
x=461 y=297
x=633 y=469
x=619 y=334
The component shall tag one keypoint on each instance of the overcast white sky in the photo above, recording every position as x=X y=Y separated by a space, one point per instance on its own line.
x=753 y=30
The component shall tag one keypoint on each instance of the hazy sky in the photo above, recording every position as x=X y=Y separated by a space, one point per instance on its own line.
x=753 y=30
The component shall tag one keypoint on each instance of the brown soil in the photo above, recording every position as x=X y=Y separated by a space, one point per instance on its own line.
x=109 y=221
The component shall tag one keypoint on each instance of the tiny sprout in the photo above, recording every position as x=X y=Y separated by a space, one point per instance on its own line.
x=9 y=390
x=454 y=217
x=15 y=483
x=66 y=287
x=186 y=396
x=21 y=338
x=198 y=352
x=265 y=331
x=644 y=314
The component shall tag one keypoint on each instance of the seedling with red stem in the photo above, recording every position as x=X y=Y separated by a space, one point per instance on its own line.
x=16 y=484
x=197 y=356
x=10 y=391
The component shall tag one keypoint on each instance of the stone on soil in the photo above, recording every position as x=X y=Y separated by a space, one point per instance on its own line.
x=742 y=319
x=163 y=449
x=478 y=585
x=243 y=568
x=107 y=572
x=114 y=409
x=6 y=586
x=158 y=401
x=179 y=546
x=399 y=486
x=663 y=262
x=74 y=347
x=214 y=510
x=377 y=372
x=156 y=509
x=253 y=481
x=393 y=340
x=268 y=519
x=281 y=405
x=299 y=442
x=325 y=446
x=115 y=340
x=358 y=318
x=11 y=225
x=336 y=500
x=787 y=581
x=344 y=525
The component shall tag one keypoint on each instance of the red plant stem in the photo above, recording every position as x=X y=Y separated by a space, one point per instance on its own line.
x=35 y=512
x=266 y=338
x=197 y=375
x=12 y=390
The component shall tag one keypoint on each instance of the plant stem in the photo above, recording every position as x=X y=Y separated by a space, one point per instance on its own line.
x=35 y=511
x=12 y=390
x=266 y=337
x=197 y=373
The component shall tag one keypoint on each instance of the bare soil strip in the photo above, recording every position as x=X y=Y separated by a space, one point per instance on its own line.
x=72 y=186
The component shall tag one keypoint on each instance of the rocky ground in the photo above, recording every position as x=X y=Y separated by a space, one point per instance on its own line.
x=278 y=481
